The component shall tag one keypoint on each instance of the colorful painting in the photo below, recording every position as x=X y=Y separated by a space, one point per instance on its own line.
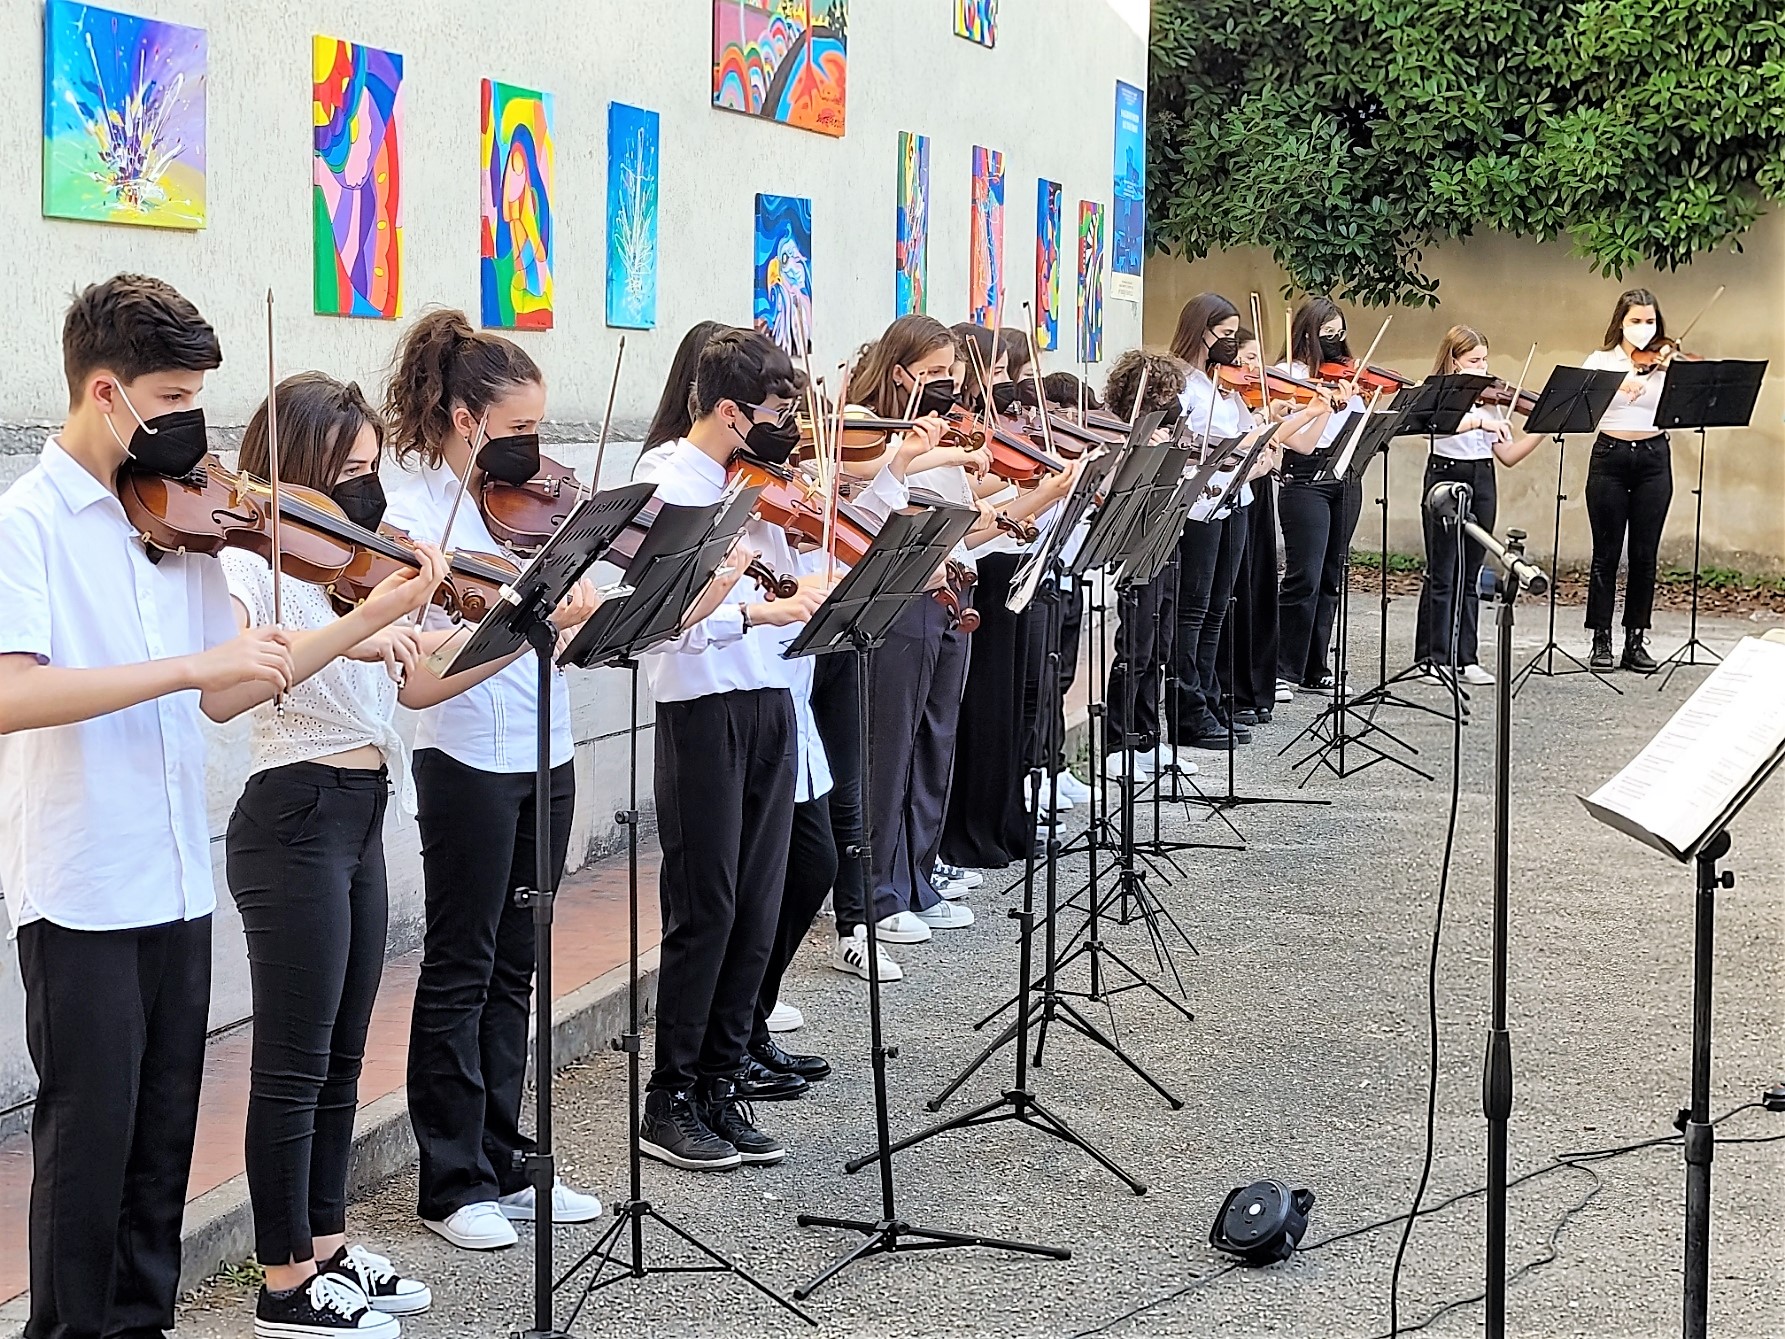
x=977 y=21
x=357 y=106
x=783 y=291
x=913 y=247
x=1090 y=281
x=631 y=217
x=1048 y=196
x=1130 y=192
x=985 y=260
x=519 y=176
x=782 y=60
x=123 y=118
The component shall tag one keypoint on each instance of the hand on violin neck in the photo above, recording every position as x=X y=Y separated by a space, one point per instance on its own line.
x=578 y=607
x=408 y=590
x=796 y=608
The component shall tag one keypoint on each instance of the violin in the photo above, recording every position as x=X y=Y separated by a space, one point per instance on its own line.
x=1253 y=388
x=1015 y=458
x=524 y=516
x=860 y=440
x=213 y=509
x=1501 y=392
x=1659 y=354
x=1369 y=379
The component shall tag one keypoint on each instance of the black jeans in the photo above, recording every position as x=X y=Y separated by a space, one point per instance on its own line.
x=1145 y=616
x=1071 y=624
x=1250 y=638
x=811 y=868
x=306 y=868
x=468 y=1034
x=1438 y=589
x=115 y=1024
x=724 y=787
x=1318 y=521
x=837 y=712
x=1208 y=561
x=1629 y=488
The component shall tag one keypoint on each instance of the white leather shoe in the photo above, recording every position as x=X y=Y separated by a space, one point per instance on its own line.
x=568 y=1206
x=902 y=928
x=476 y=1227
x=785 y=1018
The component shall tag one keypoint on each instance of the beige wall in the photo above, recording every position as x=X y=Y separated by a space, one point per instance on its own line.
x=1522 y=292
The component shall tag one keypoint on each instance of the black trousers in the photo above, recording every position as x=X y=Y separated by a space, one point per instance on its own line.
x=724 y=788
x=1251 y=633
x=1318 y=521
x=1438 y=590
x=468 y=1034
x=115 y=1024
x=811 y=869
x=1145 y=616
x=836 y=711
x=1208 y=561
x=986 y=825
x=916 y=677
x=1071 y=624
x=1629 y=489
x=306 y=868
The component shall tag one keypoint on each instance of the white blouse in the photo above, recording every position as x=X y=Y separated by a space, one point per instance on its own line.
x=1476 y=444
x=1218 y=415
x=345 y=705
x=1625 y=414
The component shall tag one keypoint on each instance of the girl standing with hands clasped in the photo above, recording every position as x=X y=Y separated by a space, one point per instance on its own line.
x=1629 y=480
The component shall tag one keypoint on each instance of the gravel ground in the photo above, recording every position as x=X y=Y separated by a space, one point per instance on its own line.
x=1306 y=1061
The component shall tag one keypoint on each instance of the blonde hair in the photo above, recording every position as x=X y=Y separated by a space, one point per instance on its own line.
x=1457 y=341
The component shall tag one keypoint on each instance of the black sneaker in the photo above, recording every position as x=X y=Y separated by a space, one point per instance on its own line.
x=730 y=1117
x=1601 y=657
x=385 y=1289
x=327 y=1305
x=770 y=1055
x=673 y=1132
x=759 y=1083
x=1636 y=655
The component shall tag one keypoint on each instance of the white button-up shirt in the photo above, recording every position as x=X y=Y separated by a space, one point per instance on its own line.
x=1218 y=415
x=105 y=824
x=494 y=725
x=812 y=776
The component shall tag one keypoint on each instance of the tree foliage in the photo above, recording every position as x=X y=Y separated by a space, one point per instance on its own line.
x=1349 y=135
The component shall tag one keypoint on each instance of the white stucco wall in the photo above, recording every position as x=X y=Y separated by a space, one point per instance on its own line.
x=1044 y=96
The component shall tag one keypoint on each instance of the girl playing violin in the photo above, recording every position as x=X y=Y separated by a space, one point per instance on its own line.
x=1467 y=456
x=1629 y=479
x=461 y=404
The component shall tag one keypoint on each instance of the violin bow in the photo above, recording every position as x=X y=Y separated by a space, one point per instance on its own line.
x=1370 y=353
x=1140 y=393
x=1680 y=338
x=1518 y=388
x=273 y=485
x=1047 y=432
x=1258 y=333
x=608 y=417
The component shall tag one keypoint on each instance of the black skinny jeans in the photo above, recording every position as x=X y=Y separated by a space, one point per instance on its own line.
x=1629 y=489
x=811 y=868
x=1318 y=520
x=837 y=714
x=1438 y=589
x=306 y=868
x=1208 y=561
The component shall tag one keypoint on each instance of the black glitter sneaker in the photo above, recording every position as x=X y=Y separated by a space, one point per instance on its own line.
x=327 y=1305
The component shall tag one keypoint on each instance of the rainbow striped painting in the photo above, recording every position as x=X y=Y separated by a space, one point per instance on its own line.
x=782 y=60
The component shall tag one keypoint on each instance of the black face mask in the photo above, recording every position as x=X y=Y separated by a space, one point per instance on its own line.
x=1007 y=396
x=170 y=444
x=1225 y=351
x=772 y=443
x=510 y=460
x=362 y=498
x=1334 y=349
x=937 y=397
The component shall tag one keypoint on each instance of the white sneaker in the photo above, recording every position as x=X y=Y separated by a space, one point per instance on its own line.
x=948 y=888
x=1072 y=788
x=1285 y=691
x=902 y=928
x=851 y=955
x=386 y=1290
x=1478 y=676
x=476 y=1227
x=1171 y=759
x=785 y=1018
x=969 y=878
x=947 y=916
x=568 y=1206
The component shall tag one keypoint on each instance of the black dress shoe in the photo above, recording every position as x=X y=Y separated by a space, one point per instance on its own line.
x=758 y=1083
x=770 y=1056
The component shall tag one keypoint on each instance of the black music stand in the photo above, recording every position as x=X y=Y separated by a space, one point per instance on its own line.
x=1573 y=401
x=855 y=617
x=675 y=561
x=521 y=619
x=1700 y=395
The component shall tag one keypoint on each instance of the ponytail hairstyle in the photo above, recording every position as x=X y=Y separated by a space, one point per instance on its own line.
x=319 y=420
x=1457 y=341
x=1201 y=314
x=1634 y=297
x=907 y=340
x=443 y=363
x=1304 y=331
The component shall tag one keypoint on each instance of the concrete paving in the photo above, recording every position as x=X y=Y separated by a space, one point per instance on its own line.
x=1307 y=1061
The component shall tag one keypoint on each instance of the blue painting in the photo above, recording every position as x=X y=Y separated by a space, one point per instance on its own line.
x=631 y=217
x=1130 y=192
x=783 y=281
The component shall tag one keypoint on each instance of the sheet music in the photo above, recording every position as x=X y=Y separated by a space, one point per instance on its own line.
x=1692 y=777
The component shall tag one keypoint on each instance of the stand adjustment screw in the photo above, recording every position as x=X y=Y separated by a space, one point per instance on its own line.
x=1726 y=879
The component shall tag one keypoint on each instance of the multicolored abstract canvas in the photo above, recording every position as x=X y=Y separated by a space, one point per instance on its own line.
x=782 y=60
x=977 y=21
x=1090 y=281
x=631 y=217
x=1130 y=192
x=783 y=287
x=357 y=107
x=913 y=246
x=519 y=176
x=1047 y=264
x=123 y=118
x=985 y=259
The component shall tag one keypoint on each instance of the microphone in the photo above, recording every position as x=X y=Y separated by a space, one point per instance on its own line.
x=1449 y=501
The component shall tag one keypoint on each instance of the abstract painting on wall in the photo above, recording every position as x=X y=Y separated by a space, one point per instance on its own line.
x=1047 y=264
x=977 y=21
x=357 y=108
x=985 y=259
x=782 y=60
x=1090 y=282
x=1130 y=192
x=519 y=187
x=783 y=283
x=913 y=246
x=123 y=118
x=631 y=217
